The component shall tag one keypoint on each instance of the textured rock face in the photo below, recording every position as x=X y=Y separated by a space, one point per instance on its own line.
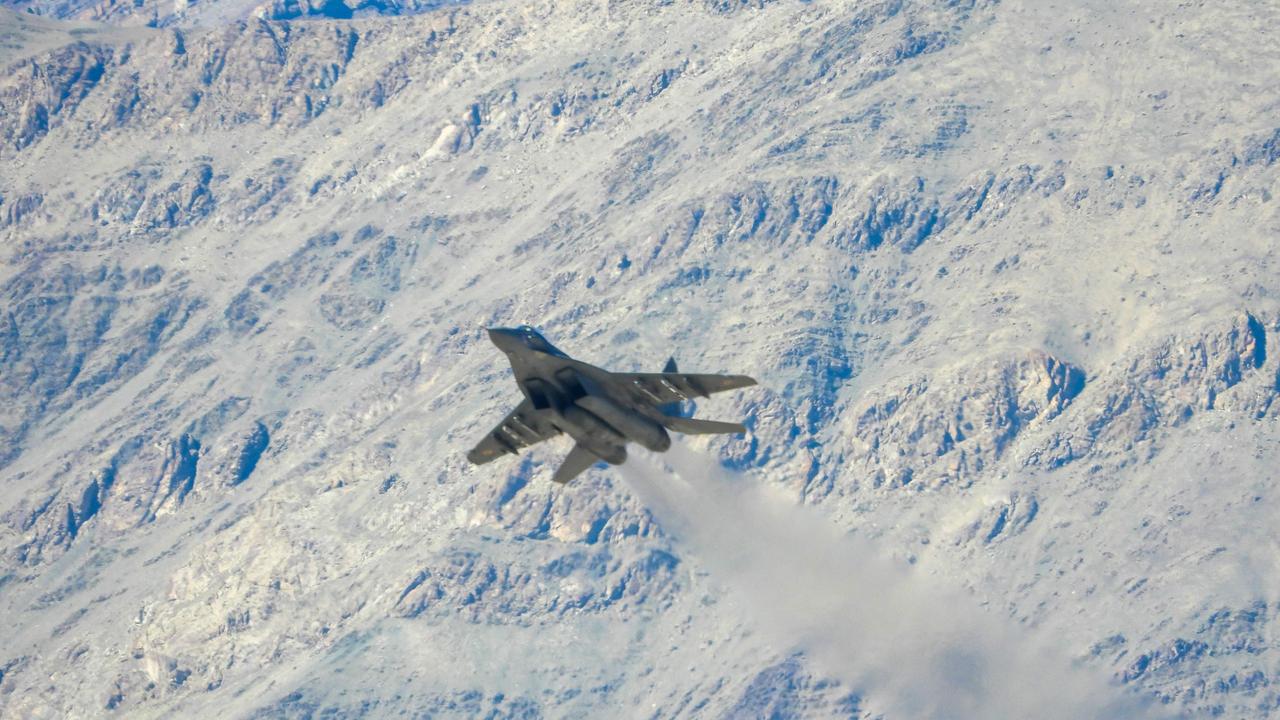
x=915 y=431
x=1005 y=274
x=47 y=87
x=1221 y=367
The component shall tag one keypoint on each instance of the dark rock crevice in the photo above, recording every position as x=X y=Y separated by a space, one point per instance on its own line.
x=255 y=445
x=1258 y=333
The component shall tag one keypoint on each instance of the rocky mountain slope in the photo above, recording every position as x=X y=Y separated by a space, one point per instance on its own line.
x=1006 y=273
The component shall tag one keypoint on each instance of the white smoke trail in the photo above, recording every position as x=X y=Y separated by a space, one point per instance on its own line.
x=912 y=648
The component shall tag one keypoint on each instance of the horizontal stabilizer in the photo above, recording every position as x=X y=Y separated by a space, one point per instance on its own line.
x=691 y=426
x=578 y=460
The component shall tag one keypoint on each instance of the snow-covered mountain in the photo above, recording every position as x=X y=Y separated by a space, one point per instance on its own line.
x=1006 y=272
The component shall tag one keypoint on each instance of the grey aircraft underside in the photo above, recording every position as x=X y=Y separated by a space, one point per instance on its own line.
x=602 y=411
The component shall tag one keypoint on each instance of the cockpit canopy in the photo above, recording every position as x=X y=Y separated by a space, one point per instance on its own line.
x=534 y=341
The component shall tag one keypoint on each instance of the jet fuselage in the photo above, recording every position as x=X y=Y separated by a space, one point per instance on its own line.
x=583 y=401
x=601 y=410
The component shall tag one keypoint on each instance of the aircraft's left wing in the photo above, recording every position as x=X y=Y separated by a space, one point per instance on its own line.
x=520 y=429
x=668 y=387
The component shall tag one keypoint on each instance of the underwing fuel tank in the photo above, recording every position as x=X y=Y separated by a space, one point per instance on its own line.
x=636 y=427
x=592 y=433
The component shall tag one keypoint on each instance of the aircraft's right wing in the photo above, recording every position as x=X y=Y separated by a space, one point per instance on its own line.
x=520 y=429
x=669 y=387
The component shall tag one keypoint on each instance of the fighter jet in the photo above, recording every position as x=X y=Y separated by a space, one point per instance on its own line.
x=602 y=411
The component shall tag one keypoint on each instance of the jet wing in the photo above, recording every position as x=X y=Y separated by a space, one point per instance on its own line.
x=520 y=429
x=669 y=387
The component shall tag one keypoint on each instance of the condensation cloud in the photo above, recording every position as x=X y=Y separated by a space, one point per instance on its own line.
x=911 y=646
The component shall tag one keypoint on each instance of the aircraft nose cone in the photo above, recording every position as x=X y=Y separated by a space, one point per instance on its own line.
x=502 y=337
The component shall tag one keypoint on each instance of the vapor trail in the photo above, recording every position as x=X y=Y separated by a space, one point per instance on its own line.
x=911 y=647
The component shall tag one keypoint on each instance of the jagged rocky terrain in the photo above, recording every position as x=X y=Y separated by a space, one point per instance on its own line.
x=1007 y=274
